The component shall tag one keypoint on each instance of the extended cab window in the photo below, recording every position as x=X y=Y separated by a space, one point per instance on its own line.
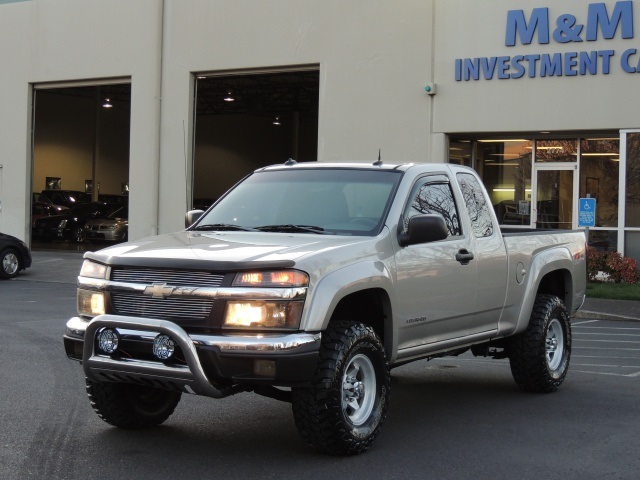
x=432 y=194
x=476 y=203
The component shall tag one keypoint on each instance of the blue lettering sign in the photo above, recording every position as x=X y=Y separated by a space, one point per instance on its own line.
x=598 y=17
x=568 y=29
x=625 y=61
x=570 y=64
x=551 y=66
x=588 y=63
x=516 y=23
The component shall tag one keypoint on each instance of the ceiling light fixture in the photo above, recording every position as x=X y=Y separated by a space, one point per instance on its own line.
x=229 y=97
x=107 y=103
x=276 y=121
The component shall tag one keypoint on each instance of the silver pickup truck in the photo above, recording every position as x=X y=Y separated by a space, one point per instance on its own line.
x=308 y=283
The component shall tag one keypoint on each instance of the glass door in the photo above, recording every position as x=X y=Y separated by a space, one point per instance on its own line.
x=555 y=198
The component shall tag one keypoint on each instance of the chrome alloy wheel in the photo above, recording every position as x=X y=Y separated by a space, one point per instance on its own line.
x=554 y=344
x=358 y=389
x=10 y=263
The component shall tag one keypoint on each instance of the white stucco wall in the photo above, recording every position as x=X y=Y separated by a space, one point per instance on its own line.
x=56 y=42
x=373 y=61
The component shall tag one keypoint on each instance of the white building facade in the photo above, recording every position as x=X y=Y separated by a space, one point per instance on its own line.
x=538 y=96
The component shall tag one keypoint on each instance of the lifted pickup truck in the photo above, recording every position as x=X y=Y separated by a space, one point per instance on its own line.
x=308 y=283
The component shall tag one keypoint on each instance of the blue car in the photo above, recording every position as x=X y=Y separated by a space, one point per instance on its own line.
x=14 y=256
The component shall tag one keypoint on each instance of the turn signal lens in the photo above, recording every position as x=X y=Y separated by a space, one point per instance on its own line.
x=281 y=278
x=90 y=303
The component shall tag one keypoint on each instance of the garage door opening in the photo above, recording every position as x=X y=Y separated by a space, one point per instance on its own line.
x=249 y=120
x=80 y=166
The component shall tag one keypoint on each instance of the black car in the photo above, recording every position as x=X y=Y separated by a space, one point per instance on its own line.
x=70 y=226
x=14 y=256
x=67 y=198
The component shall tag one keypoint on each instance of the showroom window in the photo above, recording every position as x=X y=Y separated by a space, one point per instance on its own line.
x=632 y=204
x=599 y=168
x=505 y=169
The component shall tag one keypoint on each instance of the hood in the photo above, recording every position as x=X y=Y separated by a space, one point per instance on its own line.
x=222 y=250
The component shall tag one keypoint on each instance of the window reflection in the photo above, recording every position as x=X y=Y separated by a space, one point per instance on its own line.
x=431 y=196
x=505 y=169
x=633 y=180
x=599 y=167
x=476 y=203
x=460 y=152
x=606 y=241
x=557 y=150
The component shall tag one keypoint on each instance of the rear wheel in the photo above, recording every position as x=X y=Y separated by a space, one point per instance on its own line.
x=9 y=263
x=343 y=410
x=539 y=357
x=131 y=406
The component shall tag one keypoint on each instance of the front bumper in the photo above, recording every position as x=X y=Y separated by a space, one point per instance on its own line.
x=210 y=365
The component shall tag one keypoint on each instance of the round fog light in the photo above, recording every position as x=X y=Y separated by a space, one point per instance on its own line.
x=108 y=340
x=163 y=346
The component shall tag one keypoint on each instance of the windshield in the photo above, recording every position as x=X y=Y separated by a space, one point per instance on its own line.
x=323 y=201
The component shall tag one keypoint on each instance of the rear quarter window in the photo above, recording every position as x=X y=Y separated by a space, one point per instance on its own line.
x=476 y=203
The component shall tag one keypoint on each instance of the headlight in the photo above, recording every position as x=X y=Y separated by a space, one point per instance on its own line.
x=62 y=224
x=280 y=278
x=263 y=314
x=93 y=270
x=90 y=302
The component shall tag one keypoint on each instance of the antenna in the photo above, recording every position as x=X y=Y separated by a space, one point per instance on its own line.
x=379 y=162
x=290 y=162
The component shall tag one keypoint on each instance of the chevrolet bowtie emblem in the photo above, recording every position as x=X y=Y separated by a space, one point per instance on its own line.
x=159 y=290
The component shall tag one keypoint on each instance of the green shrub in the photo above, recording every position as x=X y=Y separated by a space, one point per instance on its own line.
x=617 y=268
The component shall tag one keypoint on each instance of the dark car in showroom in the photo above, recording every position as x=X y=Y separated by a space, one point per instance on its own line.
x=45 y=209
x=67 y=198
x=69 y=226
x=14 y=256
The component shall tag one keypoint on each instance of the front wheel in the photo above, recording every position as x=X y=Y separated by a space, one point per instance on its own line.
x=9 y=263
x=127 y=405
x=539 y=357
x=343 y=410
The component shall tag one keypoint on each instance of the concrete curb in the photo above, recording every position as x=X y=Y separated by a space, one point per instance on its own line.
x=590 y=315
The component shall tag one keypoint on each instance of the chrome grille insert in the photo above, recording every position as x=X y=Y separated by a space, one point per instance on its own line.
x=170 y=308
x=170 y=277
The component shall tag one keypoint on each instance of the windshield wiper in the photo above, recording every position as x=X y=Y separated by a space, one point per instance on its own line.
x=293 y=228
x=222 y=226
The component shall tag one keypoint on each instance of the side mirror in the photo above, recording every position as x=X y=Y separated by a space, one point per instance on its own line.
x=424 y=229
x=192 y=217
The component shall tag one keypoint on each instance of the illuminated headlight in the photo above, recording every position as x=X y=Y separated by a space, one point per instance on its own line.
x=93 y=270
x=90 y=302
x=280 y=278
x=108 y=340
x=263 y=314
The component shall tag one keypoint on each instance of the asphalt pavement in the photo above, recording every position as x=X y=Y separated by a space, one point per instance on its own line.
x=61 y=266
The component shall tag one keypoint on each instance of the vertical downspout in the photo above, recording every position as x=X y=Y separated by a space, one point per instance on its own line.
x=158 y=119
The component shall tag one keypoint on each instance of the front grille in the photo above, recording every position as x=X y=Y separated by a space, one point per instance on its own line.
x=182 y=278
x=137 y=305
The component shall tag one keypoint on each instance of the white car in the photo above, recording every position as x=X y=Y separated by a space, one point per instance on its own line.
x=113 y=228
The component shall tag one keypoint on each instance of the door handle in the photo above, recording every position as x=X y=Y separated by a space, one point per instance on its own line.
x=464 y=256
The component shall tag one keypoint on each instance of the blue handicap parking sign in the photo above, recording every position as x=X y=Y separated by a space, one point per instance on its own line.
x=587 y=212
